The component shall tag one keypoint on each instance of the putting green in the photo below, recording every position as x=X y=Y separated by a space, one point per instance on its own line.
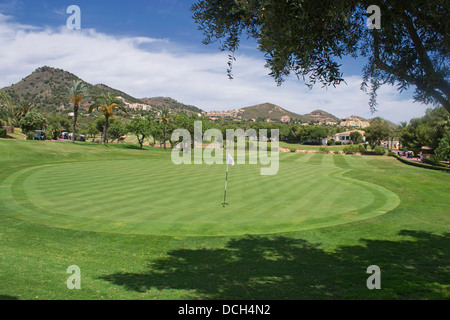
x=153 y=196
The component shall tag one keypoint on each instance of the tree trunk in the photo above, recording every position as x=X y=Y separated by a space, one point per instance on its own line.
x=105 y=130
x=164 y=137
x=75 y=118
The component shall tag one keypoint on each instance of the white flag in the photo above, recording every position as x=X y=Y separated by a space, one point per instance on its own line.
x=230 y=160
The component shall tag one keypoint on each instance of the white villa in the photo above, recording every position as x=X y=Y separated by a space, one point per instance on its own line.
x=344 y=137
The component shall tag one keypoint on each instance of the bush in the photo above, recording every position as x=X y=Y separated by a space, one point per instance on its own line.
x=33 y=121
x=391 y=153
x=379 y=151
x=354 y=148
x=331 y=142
x=361 y=148
x=323 y=150
x=3 y=133
x=30 y=135
x=338 y=143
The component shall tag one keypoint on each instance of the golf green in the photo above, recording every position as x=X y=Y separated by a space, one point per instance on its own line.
x=154 y=196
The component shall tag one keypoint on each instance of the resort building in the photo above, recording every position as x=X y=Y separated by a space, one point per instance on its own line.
x=214 y=115
x=344 y=137
x=285 y=119
x=355 y=122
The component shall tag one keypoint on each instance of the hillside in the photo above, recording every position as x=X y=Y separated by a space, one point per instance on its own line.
x=390 y=123
x=47 y=88
x=266 y=111
x=102 y=88
x=320 y=116
x=172 y=104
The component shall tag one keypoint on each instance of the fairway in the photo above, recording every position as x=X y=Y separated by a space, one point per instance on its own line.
x=154 y=196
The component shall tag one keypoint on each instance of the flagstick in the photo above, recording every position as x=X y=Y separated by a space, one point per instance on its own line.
x=225 y=193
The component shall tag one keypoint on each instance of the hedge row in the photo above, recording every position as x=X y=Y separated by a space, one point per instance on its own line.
x=433 y=163
x=418 y=164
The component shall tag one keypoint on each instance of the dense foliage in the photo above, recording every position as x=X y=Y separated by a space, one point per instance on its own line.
x=427 y=131
x=309 y=38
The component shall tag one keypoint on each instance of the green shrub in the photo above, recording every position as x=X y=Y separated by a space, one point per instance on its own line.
x=30 y=135
x=391 y=154
x=361 y=148
x=323 y=150
x=349 y=149
x=354 y=148
x=3 y=133
x=379 y=151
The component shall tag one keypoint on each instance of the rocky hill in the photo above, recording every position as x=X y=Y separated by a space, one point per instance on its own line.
x=321 y=116
x=266 y=111
x=48 y=89
x=172 y=104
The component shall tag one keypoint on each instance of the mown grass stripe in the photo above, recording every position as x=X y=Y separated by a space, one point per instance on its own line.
x=257 y=203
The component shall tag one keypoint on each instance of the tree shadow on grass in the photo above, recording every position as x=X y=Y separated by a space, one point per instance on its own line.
x=281 y=268
x=4 y=297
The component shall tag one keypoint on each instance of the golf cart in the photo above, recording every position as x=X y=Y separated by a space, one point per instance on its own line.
x=39 y=135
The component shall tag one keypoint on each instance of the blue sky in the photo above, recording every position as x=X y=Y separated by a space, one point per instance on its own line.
x=153 y=48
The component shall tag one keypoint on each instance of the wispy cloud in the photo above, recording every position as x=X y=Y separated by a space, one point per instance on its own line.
x=60 y=11
x=148 y=67
x=10 y=6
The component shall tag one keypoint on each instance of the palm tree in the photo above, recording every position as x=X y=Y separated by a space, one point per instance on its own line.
x=108 y=104
x=5 y=109
x=77 y=92
x=21 y=110
x=12 y=113
x=164 y=118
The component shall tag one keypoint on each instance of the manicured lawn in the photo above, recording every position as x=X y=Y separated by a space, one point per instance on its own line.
x=310 y=147
x=140 y=227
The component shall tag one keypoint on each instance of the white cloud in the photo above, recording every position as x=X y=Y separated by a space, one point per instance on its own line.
x=148 y=67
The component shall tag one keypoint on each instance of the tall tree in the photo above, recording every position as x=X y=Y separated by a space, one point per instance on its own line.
x=309 y=37
x=141 y=128
x=164 y=120
x=117 y=130
x=108 y=104
x=21 y=110
x=443 y=149
x=426 y=131
x=5 y=109
x=356 y=137
x=378 y=131
x=77 y=92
